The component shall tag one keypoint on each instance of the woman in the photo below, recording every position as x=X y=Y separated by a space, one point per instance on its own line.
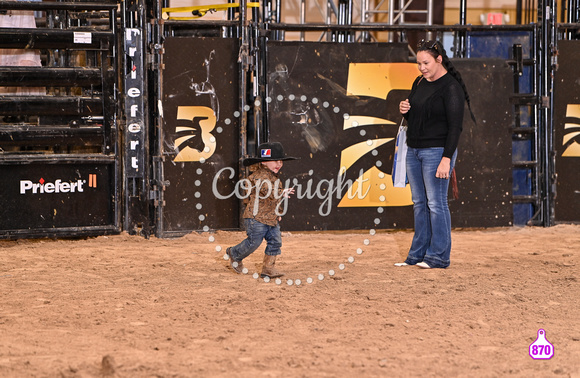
x=434 y=114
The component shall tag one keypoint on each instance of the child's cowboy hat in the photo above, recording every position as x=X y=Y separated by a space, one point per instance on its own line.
x=271 y=151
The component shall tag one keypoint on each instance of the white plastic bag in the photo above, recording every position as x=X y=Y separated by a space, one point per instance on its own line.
x=400 y=159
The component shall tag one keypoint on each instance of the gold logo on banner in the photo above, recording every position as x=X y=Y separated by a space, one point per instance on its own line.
x=92 y=180
x=193 y=138
x=375 y=80
x=571 y=139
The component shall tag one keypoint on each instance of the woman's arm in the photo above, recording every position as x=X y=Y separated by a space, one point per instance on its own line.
x=454 y=101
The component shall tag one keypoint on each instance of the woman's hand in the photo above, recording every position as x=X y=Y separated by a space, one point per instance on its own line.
x=444 y=168
x=404 y=106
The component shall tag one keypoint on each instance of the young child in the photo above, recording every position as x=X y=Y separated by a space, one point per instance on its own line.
x=261 y=213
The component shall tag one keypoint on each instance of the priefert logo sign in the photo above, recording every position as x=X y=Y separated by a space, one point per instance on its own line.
x=58 y=186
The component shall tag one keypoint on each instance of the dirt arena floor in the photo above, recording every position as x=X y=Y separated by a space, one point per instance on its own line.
x=123 y=306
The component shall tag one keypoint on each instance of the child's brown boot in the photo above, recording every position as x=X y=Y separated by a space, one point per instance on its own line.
x=268 y=268
x=237 y=266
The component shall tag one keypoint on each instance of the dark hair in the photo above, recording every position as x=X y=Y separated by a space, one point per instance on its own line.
x=435 y=48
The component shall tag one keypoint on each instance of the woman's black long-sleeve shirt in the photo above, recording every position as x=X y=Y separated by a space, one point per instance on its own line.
x=436 y=115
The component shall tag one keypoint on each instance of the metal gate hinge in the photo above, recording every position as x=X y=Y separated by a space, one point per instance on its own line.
x=158 y=203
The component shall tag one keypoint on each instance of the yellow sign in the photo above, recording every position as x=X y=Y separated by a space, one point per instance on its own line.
x=573 y=149
x=375 y=80
x=195 y=142
x=201 y=10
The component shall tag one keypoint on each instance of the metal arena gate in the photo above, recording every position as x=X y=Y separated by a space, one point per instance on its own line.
x=59 y=159
x=138 y=121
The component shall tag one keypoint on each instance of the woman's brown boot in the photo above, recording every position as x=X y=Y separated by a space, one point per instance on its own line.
x=268 y=268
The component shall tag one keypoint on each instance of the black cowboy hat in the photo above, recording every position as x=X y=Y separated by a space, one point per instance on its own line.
x=271 y=151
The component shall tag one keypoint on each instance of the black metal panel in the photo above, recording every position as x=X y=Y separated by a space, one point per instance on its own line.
x=44 y=76
x=318 y=91
x=199 y=102
x=59 y=160
x=567 y=132
x=320 y=94
x=48 y=105
x=20 y=135
x=484 y=162
x=70 y=6
x=42 y=38
x=40 y=196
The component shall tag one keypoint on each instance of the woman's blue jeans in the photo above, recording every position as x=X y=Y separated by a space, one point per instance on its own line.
x=432 y=239
x=257 y=232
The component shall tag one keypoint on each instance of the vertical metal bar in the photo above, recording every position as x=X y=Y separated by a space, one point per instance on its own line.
x=570 y=17
x=231 y=15
x=364 y=8
x=546 y=24
x=401 y=11
x=350 y=35
x=136 y=144
x=539 y=118
x=534 y=53
x=243 y=59
x=118 y=181
x=430 y=18
x=527 y=11
x=329 y=36
x=266 y=11
x=340 y=20
x=279 y=33
x=278 y=10
x=157 y=161
x=391 y=19
x=110 y=127
x=563 y=11
x=542 y=8
x=256 y=15
x=553 y=53
x=262 y=63
x=546 y=11
x=460 y=50
x=302 y=18
x=518 y=69
x=463 y=12
x=256 y=74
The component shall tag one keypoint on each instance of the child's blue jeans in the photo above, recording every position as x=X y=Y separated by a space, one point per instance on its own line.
x=257 y=232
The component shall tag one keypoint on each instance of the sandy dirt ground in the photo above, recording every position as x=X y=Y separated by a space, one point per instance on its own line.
x=124 y=306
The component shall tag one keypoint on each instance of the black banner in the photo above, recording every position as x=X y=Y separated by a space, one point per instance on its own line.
x=484 y=158
x=200 y=100
x=336 y=107
x=39 y=196
x=567 y=132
